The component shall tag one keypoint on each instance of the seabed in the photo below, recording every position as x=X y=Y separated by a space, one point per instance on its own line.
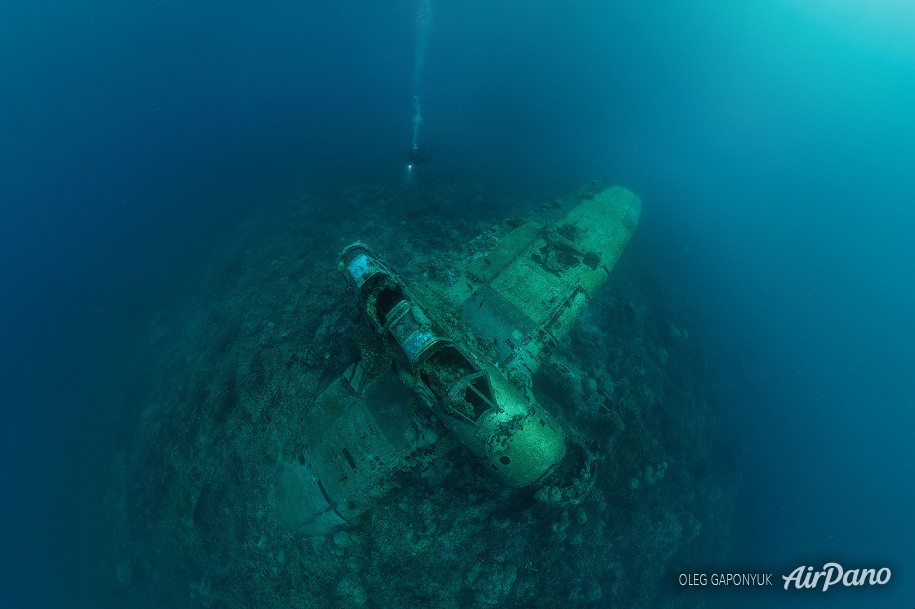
x=190 y=519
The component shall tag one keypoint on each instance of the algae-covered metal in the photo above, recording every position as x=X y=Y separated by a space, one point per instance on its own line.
x=465 y=350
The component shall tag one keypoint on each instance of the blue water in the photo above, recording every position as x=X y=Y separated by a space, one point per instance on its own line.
x=772 y=147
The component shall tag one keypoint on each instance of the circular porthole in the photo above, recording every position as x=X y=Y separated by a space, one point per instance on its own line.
x=505 y=460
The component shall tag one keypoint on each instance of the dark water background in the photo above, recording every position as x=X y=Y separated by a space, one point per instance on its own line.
x=773 y=148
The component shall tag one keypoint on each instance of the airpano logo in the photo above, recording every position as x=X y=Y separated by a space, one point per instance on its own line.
x=833 y=574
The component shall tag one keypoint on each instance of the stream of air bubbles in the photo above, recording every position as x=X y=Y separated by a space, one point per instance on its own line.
x=423 y=23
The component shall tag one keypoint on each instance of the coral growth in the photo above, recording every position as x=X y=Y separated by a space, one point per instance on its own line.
x=191 y=508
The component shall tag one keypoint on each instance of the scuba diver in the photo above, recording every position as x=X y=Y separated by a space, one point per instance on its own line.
x=417 y=156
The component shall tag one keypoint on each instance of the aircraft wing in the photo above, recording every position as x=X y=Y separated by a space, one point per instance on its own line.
x=360 y=430
x=522 y=285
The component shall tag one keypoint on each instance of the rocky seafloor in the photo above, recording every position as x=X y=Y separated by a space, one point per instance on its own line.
x=190 y=516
